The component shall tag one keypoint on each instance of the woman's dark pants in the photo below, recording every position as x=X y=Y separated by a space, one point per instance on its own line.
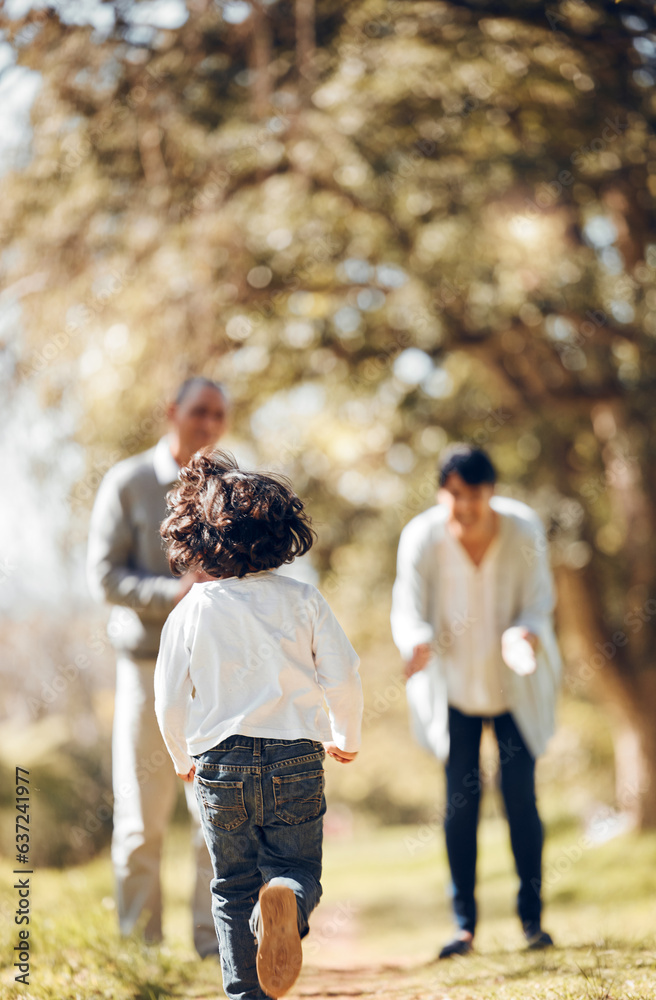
x=463 y=789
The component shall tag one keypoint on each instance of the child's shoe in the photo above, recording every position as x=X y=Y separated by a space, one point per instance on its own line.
x=279 y=952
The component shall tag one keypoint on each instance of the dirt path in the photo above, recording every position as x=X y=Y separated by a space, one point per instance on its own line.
x=337 y=966
x=383 y=981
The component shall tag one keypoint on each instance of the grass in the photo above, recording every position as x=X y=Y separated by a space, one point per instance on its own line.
x=383 y=915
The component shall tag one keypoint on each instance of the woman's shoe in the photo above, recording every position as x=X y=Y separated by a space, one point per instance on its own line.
x=279 y=951
x=459 y=946
x=537 y=938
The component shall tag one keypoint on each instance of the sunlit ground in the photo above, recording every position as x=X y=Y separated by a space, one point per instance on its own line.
x=382 y=918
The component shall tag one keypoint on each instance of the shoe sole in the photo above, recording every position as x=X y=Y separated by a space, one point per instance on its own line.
x=279 y=955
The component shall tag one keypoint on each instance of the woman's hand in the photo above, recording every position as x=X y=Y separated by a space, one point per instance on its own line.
x=189 y=776
x=342 y=756
x=518 y=649
x=531 y=638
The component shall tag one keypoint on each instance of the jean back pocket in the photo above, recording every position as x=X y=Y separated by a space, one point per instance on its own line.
x=222 y=802
x=298 y=797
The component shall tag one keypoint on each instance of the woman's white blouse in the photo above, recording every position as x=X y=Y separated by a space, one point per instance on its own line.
x=476 y=675
x=518 y=591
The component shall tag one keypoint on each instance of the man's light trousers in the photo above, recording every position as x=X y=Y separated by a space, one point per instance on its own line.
x=144 y=786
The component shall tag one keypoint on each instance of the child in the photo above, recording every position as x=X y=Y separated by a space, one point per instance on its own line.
x=245 y=661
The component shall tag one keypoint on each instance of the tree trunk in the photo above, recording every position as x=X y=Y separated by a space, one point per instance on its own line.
x=260 y=60
x=635 y=680
x=305 y=44
x=634 y=739
x=629 y=698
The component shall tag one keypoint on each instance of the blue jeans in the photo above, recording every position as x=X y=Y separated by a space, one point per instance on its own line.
x=262 y=804
x=463 y=790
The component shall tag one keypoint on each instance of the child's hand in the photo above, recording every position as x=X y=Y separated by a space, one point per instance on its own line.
x=189 y=776
x=343 y=756
x=421 y=654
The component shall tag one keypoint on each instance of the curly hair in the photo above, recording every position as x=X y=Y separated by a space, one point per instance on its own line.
x=228 y=522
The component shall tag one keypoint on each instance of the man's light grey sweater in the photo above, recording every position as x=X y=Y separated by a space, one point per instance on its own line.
x=126 y=562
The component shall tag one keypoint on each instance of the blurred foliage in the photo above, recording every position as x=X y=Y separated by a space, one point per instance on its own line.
x=465 y=187
x=70 y=801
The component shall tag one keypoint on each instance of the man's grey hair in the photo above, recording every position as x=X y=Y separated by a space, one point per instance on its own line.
x=198 y=382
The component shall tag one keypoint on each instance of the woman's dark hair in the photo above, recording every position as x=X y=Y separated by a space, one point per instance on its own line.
x=229 y=522
x=471 y=464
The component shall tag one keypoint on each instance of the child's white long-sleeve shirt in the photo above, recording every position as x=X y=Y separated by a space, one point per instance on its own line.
x=255 y=656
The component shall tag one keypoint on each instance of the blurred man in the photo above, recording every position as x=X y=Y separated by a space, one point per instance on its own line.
x=471 y=616
x=126 y=565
